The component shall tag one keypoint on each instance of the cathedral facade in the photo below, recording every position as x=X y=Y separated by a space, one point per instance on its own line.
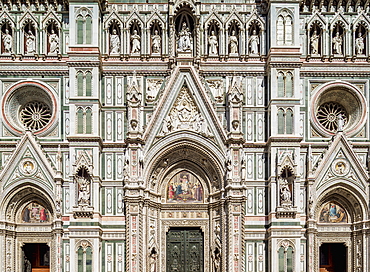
x=181 y=135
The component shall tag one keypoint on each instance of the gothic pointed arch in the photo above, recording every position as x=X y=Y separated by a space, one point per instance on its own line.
x=205 y=160
x=199 y=97
x=134 y=17
x=234 y=16
x=318 y=18
x=155 y=16
x=5 y=17
x=26 y=18
x=213 y=16
x=51 y=17
x=254 y=17
x=112 y=17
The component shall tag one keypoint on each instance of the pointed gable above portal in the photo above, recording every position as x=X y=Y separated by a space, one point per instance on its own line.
x=184 y=106
x=185 y=115
x=340 y=164
x=28 y=161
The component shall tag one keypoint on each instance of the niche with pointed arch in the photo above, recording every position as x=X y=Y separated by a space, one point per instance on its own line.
x=184 y=187
x=333 y=213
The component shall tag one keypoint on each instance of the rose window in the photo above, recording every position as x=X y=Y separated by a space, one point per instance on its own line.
x=35 y=115
x=328 y=114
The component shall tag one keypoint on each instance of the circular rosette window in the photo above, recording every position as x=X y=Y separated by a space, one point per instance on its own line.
x=335 y=101
x=29 y=106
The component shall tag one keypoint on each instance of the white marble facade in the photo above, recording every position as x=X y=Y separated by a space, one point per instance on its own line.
x=125 y=123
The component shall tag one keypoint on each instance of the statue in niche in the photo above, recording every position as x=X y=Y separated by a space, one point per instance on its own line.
x=233 y=42
x=216 y=256
x=254 y=42
x=153 y=261
x=53 y=43
x=315 y=43
x=30 y=42
x=213 y=44
x=285 y=193
x=360 y=45
x=185 y=39
x=156 y=43
x=27 y=265
x=216 y=87
x=8 y=42
x=83 y=191
x=337 y=44
x=153 y=87
x=135 y=39
x=115 y=42
x=229 y=166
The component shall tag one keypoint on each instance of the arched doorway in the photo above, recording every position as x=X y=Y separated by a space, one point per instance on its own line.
x=34 y=233
x=187 y=182
x=339 y=240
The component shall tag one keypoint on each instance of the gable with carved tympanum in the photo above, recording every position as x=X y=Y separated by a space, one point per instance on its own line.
x=28 y=162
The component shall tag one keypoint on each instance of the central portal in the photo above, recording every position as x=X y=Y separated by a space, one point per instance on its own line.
x=184 y=250
x=333 y=257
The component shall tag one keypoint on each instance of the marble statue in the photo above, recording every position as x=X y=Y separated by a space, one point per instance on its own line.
x=315 y=43
x=360 y=45
x=153 y=87
x=254 y=42
x=27 y=265
x=216 y=87
x=8 y=42
x=156 y=43
x=213 y=44
x=115 y=42
x=185 y=40
x=233 y=42
x=153 y=261
x=53 y=43
x=83 y=191
x=30 y=42
x=216 y=261
x=135 y=38
x=337 y=44
x=340 y=121
x=285 y=194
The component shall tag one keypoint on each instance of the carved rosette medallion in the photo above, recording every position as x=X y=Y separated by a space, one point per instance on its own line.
x=27 y=167
x=340 y=167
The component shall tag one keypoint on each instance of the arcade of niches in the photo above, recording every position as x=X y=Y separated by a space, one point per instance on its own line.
x=202 y=136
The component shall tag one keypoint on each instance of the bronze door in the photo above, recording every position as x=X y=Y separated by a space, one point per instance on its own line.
x=184 y=250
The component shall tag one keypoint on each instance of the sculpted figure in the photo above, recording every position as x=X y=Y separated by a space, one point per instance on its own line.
x=285 y=194
x=337 y=44
x=53 y=42
x=30 y=42
x=84 y=191
x=217 y=261
x=233 y=42
x=360 y=45
x=8 y=42
x=27 y=265
x=156 y=42
x=213 y=44
x=115 y=42
x=254 y=41
x=315 y=43
x=152 y=261
x=184 y=43
x=135 y=38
